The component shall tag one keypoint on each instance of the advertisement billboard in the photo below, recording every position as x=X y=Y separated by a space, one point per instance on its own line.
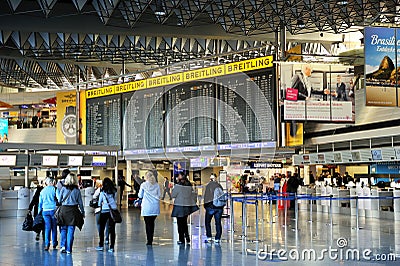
x=317 y=92
x=381 y=77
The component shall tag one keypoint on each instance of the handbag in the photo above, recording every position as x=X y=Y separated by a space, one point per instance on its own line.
x=116 y=216
x=94 y=203
x=114 y=213
x=28 y=222
x=38 y=223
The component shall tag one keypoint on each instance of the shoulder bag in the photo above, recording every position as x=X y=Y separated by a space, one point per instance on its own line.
x=115 y=214
x=57 y=213
x=38 y=223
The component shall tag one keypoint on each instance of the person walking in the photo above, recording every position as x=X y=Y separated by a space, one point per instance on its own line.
x=106 y=202
x=167 y=189
x=97 y=211
x=212 y=210
x=34 y=206
x=184 y=205
x=150 y=194
x=48 y=204
x=122 y=183
x=72 y=214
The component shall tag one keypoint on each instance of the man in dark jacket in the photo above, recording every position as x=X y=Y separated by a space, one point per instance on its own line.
x=292 y=185
x=212 y=211
x=33 y=206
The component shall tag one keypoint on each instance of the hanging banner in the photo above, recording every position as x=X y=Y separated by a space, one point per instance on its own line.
x=381 y=78
x=317 y=92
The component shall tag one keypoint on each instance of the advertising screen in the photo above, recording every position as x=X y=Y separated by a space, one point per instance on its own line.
x=75 y=160
x=50 y=160
x=8 y=160
x=99 y=161
x=317 y=92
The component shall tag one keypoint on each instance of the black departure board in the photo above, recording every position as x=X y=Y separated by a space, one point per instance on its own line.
x=245 y=109
x=143 y=119
x=190 y=118
x=104 y=121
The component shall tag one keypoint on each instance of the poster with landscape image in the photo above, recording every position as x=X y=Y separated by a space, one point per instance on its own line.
x=381 y=79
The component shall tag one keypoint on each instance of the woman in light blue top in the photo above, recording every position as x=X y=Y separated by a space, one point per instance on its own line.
x=150 y=194
x=47 y=204
x=72 y=214
x=107 y=201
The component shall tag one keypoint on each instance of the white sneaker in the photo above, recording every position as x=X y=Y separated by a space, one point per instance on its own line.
x=208 y=240
x=99 y=248
x=216 y=241
x=111 y=250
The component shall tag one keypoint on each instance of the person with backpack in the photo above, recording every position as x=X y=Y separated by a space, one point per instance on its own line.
x=214 y=202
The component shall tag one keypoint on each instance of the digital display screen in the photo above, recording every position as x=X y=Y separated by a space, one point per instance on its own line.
x=199 y=162
x=99 y=161
x=376 y=155
x=8 y=160
x=75 y=160
x=50 y=160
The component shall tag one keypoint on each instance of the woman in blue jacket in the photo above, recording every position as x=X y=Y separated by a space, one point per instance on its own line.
x=107 y=202
x=47 y=204
x=150 y=194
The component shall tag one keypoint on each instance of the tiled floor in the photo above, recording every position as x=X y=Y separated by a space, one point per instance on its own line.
x=381 y=237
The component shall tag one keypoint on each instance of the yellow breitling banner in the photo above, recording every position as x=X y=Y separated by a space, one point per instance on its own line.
x=191 y=75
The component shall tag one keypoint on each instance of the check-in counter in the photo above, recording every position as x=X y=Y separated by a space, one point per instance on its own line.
x=386 y=205
x=326 y=202
x=9 y=204
x=303 y=203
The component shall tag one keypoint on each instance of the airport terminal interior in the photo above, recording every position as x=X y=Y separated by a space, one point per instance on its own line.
x=291 y=106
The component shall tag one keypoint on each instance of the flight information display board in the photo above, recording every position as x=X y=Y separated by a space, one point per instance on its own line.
x=142 y=113
x=245 y=109
x=190 y=119
x=104 y=121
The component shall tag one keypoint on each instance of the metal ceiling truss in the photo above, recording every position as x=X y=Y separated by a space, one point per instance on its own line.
x=47 y=53
x=49 y=58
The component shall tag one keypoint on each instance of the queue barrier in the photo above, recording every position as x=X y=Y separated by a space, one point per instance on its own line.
x=251 y=199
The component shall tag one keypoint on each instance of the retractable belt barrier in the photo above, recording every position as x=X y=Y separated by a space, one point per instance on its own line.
x=251 y=199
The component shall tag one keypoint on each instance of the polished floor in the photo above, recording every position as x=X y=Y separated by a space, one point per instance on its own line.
x=279 y=241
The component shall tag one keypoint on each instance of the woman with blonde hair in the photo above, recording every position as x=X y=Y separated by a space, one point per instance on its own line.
x=72 y=212
x=150 y=194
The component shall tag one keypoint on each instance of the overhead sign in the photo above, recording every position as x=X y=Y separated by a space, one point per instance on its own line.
x=265 y=165
x=191 y=75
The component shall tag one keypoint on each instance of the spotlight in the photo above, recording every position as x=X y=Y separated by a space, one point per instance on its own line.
x=300 y=23
x=159 y=8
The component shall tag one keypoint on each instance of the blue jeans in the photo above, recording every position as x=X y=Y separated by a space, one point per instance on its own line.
x=50 y=227
x=217 y=213
x=67 y=236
